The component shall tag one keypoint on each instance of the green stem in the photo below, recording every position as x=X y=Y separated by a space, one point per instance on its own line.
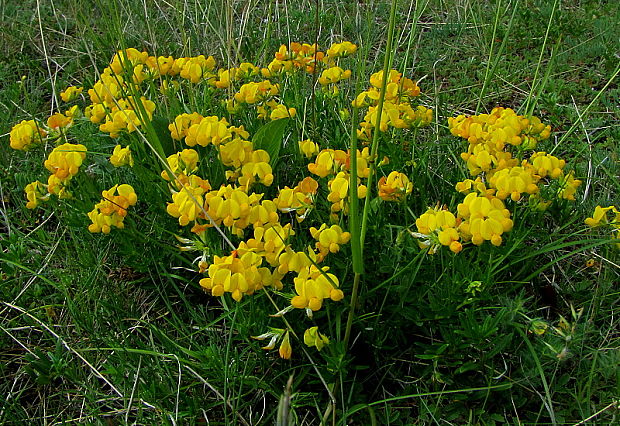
x=354 y=218
x=354 y=296
x=376 y=130
x=413 y=142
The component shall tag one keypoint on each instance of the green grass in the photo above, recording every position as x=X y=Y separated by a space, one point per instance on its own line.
x=116 y=328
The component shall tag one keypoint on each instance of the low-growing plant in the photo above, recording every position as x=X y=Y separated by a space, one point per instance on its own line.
x=330 y=208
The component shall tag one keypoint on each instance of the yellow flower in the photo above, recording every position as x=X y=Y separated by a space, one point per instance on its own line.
x=568 y=187
x=599 y=218
x=438 y=227
x=178 y=128
x=257 y=169
x=121 y=157
x=184 y=163
x=96 y=113
x=186 y=204
x=161 y=65
x=251 y=93
x=340 y=50
x=65 y=160
x=377 y=78
x=70 y=93
x=239 y=274
x=26 y=134
x=333 y=75
x=295 y=261
x=486 y=219
x=546 y=164
x=312 y=338
x=327 y=162
x=299 y=199
x=329 y=239
x=285 y=347
x=281 y=111
x=73 y=112
x=127 y=59
x=312 y=286
x=514 y=181
x=308 y=148
x=198 y=68
x=395 y=187
x=108 y=88
x=112 y=209
x=35 y=192
x=270 y=242
x=210 y=130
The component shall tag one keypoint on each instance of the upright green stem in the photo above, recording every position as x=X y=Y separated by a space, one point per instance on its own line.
x=357 y=233
x=376 y=130
x=354 y=217
x=351 y=317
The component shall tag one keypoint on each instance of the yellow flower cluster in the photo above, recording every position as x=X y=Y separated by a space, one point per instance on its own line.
x=491 y=138
x=270 y=241
x=480 y=219
x=63 y=162
x=312 y=286
x=304 y=56
x=484 y=219
x=275 y=111
x=235 y=209
x=337 y=163
x=26 y=134
x=225 y=77
x=264 y=253
x=70 y=93
x=35 y=192
x=210 y=130
x=395 y=187
x=242 y=272
x=140 y=66
x=438 y=227
x=29 y=133
x=299 y=199
x=239 y=274
x=333 y=75
x=253 y=93
x=181 y=124
x=121 y=157
x=112 y=209
x=58 y=121
x=249 y=165
x=397 y=109
x=182 y=164
x=122 y=115
x=329 y=239
x=340 y=50
x=187 y=203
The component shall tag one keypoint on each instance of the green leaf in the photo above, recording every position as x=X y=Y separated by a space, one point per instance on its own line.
x=269 y=137
x=160 y=126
